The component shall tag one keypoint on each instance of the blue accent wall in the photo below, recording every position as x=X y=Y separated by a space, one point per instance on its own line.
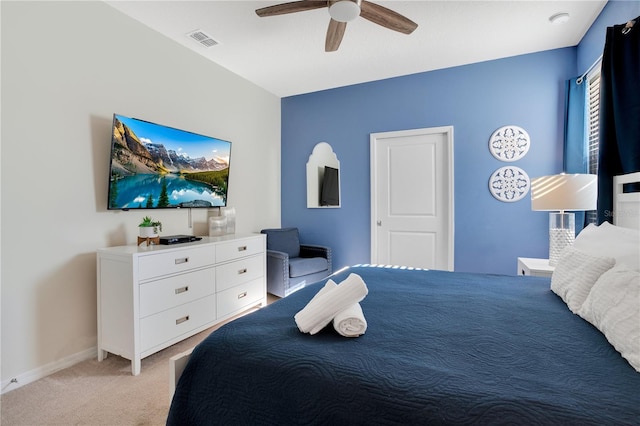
x=476 y=99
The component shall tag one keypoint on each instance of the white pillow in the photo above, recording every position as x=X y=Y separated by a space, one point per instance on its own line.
x=575 y=274
x=623 y=244
x=613 y=307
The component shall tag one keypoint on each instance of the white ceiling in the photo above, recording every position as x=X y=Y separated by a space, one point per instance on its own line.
x=285 y=54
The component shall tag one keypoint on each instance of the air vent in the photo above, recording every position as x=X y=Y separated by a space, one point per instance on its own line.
x=203 y=38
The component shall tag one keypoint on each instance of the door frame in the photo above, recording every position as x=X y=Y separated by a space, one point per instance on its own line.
x=448 y=186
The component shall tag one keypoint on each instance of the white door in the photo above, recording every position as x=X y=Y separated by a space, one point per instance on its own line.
x=412 y=198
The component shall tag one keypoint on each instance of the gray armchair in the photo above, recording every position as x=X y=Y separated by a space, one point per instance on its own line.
x=291 y=265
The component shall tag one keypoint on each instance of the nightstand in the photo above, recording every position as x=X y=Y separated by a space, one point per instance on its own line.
x=534 y=267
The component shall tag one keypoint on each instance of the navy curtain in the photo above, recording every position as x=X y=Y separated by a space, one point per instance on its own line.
x=619 y=111
x=576 y=156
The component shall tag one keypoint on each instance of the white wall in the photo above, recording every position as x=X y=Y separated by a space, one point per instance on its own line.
x=66 y=68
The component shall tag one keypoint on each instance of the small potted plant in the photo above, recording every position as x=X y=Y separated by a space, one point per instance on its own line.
x=149 y=228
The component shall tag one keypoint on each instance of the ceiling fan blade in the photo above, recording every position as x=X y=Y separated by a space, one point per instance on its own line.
x=386 y=17
x=334 y=35
x=291 y=7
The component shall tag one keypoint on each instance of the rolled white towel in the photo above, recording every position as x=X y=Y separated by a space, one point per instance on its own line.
x=328 y=302
x=329 y=285
x=350 y=322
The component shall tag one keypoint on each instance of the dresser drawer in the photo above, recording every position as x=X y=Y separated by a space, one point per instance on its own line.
x=170 y=262
x=236 y=249
x=165 y=293
x=238 y=272
x=235 y=299
x=166 y=325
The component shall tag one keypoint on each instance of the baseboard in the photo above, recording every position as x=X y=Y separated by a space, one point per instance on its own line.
x=48 y=369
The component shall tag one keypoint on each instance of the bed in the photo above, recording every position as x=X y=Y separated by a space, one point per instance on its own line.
x=440 y=348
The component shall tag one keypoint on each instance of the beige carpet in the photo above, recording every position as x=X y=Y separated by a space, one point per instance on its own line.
x=98 y=393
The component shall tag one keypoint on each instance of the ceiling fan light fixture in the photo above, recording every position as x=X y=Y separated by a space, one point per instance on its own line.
x=344 y=10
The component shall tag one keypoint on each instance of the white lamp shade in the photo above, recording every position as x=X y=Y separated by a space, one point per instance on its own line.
x=564 y=192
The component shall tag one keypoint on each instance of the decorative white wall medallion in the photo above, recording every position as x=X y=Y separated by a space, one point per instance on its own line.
x=509 y=184
x=509 y=143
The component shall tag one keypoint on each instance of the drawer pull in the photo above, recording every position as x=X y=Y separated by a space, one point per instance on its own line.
x=242 y=248
x=182 y=260
x=183 y=319
x=241 y=295
x=242 y=271
x=182 y=289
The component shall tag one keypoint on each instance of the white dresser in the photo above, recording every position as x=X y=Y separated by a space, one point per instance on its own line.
x=152 y=297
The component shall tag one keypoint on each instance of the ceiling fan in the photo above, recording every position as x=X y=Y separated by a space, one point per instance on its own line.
x=343 y=11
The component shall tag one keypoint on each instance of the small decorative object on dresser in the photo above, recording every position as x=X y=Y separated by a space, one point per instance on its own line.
x=217 y=226
x=149 y=227
x=224 y=223
x=230 y=214
x=149 y=230
x=534 y=267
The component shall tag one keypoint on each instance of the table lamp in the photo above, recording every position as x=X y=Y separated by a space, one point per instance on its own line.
x=558 y=193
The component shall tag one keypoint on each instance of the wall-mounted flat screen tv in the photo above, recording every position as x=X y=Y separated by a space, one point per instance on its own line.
x=156 y=167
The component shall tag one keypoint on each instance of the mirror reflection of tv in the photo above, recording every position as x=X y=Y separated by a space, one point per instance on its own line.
x=156 y=167
x=330 y=190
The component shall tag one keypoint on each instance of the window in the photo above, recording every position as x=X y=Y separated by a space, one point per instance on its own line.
x=593 y=127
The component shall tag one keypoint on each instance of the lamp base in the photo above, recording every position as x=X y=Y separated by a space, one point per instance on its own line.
x=562 y=233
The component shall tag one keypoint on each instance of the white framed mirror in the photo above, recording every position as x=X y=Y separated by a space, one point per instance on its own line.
x=323 y=178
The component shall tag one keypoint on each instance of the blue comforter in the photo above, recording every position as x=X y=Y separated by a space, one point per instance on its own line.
x=440 y=348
